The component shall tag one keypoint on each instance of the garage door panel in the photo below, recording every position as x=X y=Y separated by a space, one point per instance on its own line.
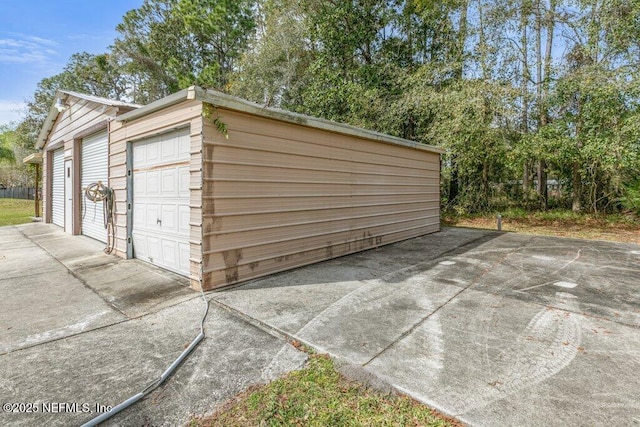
x=169 y=150
x=152 y=214
x=153 y=247
x=139 y=216
x=153 y=153
x=93 y=212
x=140 y=183
x=170 y=182
x=184 y=215
x=57 y=188
x=140 y=152
x=170 y=253
x=153 y=183
x=184 y=179
x=183 y=146
x=185 y=255
x=169 y=217
x=161 y=201
x=94 y=164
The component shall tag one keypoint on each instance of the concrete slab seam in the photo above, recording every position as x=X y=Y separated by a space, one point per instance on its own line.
x=127 y=319
x=66 y=336
x=271 y=330
x=288 y=337
x=423 y=320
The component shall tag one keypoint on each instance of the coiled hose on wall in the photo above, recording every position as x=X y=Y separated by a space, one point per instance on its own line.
x=98 y=192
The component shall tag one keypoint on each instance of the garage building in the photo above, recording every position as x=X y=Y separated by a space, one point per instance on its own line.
x=222 y=190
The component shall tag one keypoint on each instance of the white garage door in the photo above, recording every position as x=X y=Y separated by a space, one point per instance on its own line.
x=94 y=168
x=57 y=188
x=161 y=201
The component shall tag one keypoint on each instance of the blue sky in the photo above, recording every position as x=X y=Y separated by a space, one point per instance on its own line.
x=37 y=37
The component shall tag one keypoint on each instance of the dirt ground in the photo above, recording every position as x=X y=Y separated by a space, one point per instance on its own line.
x=588 y=229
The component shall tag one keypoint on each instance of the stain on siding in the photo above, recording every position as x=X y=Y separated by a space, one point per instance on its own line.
x=231 y=260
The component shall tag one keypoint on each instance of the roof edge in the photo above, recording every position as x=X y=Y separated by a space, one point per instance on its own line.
x=223 y=100
x=33 y=159
x=175 y=98
x=43 y=135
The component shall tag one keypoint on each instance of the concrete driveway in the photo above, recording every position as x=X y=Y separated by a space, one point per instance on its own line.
x=79 y=328
x=495 y=329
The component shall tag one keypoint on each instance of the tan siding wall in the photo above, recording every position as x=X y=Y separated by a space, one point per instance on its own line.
x=79 y=117
x=277 y=195
x=188 y=113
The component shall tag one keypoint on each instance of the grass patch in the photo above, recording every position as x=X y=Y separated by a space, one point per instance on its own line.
x=557 y=222
x=320 y=396
x=15 y=211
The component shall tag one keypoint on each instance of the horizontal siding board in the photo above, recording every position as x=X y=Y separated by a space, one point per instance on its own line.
x=267 y=173
x=284 y=189
x=237 y=222
x=119 y=184
x=243 y=206
x=222 y=240
x=226 y=153
x=267 y=144
x=118 y=158
x=118 y=170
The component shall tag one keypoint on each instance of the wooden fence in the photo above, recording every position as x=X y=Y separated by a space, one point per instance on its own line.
x=28 y=193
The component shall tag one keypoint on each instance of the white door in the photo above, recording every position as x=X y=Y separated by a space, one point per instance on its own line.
x=68 y=196
x=93 y=169
x=161 y=201
x=57 y=188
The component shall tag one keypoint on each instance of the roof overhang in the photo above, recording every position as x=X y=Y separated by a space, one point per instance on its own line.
x=63 y=95
x=33 y=159
x=222 y=100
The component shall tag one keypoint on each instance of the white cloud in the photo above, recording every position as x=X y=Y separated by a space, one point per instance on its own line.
x=26 y=49
x=10 y=111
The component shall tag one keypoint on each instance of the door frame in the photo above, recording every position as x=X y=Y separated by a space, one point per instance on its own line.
x=129 y=200
x=68 y=196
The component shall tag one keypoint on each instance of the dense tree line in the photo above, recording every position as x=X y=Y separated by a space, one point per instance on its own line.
x=520 y=94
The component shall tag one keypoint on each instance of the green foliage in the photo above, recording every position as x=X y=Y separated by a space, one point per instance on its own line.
x=272 y=69
x=167 y=45
x=631 y=196
x=221 y=30
x=7 y=138
x=12 y=171
x=211 y=112
x=319 y=396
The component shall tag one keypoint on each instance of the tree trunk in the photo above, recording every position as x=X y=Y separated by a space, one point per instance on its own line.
x=542 y=84
x=453 y=181
x=485 y=180
x=542 y=183
x=576 y=188
x=462 y=39
x=524 y=87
